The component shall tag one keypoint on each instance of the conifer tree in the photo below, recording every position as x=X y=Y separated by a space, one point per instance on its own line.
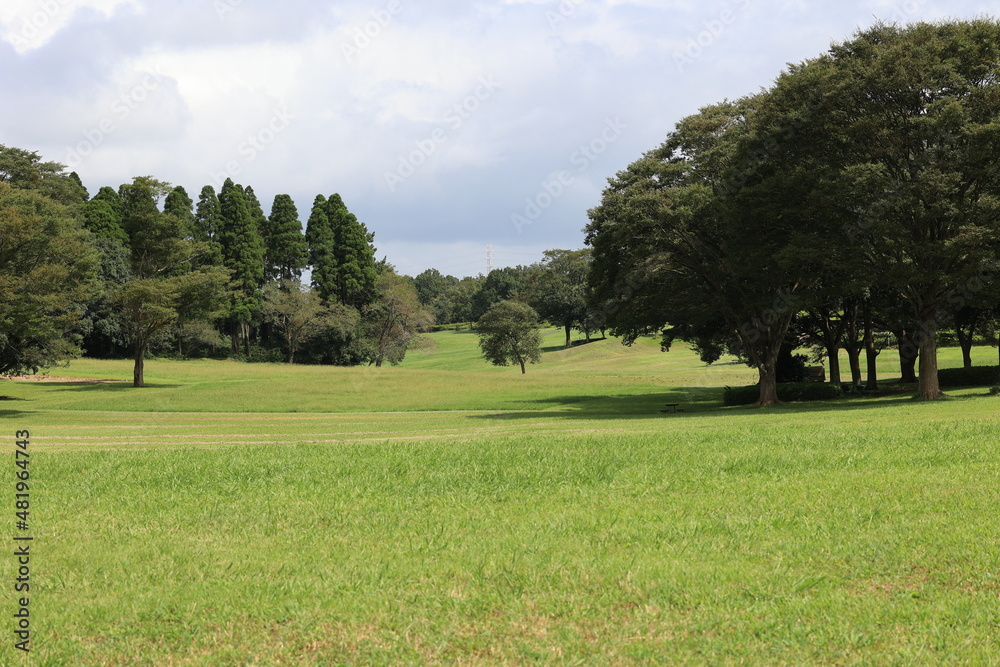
x=320 y=239
x=286 y=249
x=179 y=204
x=207 y=220
x=355 y=257
x=243 y=255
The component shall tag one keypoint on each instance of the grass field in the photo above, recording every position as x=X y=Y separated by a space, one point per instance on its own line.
x=450 y=512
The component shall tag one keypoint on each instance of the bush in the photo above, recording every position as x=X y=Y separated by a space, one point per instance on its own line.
x=789 y=392
x=977 y=376
x=995 y=390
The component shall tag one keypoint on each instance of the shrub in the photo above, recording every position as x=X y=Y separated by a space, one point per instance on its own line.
x=789 y=392
x=977 y=376
x=995 y=390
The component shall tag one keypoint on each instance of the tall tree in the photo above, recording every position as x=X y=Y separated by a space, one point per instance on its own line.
x=559 y=289
x=163 y=287
x=392 y=323
x=694 y=234
x=297 y=312
x=287 y=252
x=47 y=270
x=355 y=271
x=320 y=239
x=179 y=205
x=911 y=121
x=207 y=223
x=243 y=255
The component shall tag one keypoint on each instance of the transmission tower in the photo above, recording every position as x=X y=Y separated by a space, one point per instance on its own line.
x=489 y=259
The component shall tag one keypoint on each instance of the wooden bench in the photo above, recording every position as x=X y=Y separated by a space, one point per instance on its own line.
x=671 y=408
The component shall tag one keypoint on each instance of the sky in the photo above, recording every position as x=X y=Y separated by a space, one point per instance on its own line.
x=446 y=126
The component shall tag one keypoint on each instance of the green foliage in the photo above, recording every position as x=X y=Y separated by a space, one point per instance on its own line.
x=48 y=269
x=287 y=251
x=103 y=220
x=156 y=240
x=299 y=314
x=102 y=327
x=977 y=376
x=457 y=302
x=904 y=121
x=392 y=323
x=24 y=170
x=207 y=223
x=179 y=205
x=355 y=256
x=507 y=284
x=508 y=334
x=558 y=289
x=321 y=242
x=432 y=285
x=242 y=251
x=788 y=392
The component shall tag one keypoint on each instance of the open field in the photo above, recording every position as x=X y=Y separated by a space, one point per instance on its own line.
x=451 y=512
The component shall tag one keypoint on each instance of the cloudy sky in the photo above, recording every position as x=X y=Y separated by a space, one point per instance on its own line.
x=446 y=125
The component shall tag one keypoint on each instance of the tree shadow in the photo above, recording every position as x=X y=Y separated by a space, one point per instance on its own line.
x=112 y=387
x=692 y=401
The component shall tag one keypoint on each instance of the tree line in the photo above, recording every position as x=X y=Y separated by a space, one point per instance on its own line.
x=143 y=267
x=859 y=194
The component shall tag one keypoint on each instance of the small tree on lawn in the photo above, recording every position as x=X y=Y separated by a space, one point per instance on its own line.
x=508 y=333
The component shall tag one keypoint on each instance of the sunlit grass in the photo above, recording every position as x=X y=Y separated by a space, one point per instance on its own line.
x=293 y=515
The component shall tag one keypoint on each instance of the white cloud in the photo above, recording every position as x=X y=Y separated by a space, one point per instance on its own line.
x=30 y=24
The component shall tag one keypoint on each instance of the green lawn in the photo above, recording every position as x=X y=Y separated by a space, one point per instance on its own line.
x=450 y=512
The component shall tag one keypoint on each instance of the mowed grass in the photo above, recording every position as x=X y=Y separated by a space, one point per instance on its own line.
x=449 y=512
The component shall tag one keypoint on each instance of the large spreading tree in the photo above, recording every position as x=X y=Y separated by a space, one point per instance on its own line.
x=48 y=270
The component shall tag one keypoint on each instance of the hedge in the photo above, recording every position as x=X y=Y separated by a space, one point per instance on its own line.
x=789 y=392
x=977 y=376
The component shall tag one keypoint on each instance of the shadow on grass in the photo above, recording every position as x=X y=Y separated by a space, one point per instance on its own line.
x=16 y=414
x=112 y=387
x=693 y=401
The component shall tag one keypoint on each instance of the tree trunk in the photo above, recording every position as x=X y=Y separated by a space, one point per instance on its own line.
x=871 y=354
x=768 y=383
x=568 y=329
x=854 y=354
x=138 y=379
x=521 y=361
x=930 y=388
x=965 y=342
x=833 y=354
x=908 y=353
x=234 y=337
